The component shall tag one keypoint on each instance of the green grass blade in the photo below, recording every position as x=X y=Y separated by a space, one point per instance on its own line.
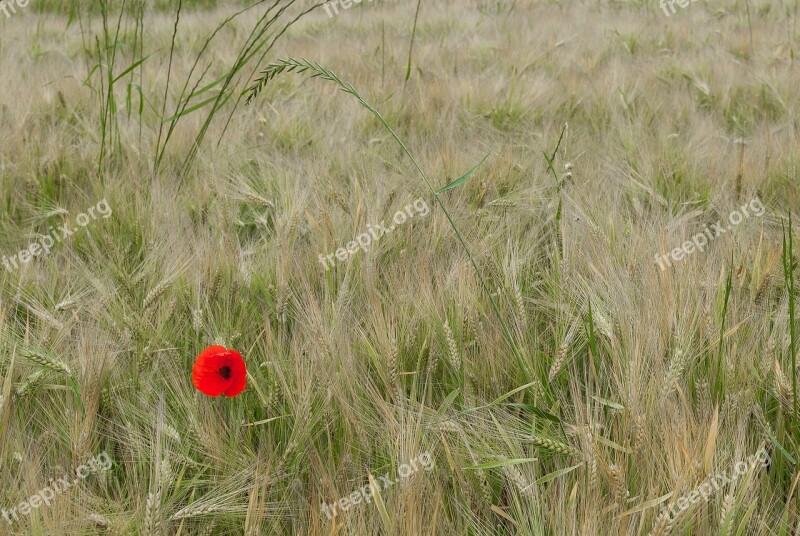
x=129 y=69
x=782 y=450
x=463 y=178
x=194 y=108
x=501 y=463
x=411 y=46
x=556 y=474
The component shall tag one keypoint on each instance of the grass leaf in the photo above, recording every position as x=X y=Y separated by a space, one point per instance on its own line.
x=463 y=178
x=501 y=463
x=556 y=474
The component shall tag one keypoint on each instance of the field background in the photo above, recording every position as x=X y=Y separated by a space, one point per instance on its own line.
x=631 y=385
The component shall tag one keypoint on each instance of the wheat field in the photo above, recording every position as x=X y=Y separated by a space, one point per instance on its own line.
x=583 y=325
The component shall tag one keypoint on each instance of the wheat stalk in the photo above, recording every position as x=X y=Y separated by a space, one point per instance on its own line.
x=593 y=462
x=48 y=361
x=663 y=525
x=392 y=365
x=152 y=515
x=783 y=390
x=486 y=490
x=453 y=355
x=618 y=485
x=433 y=357
x=216 y=284
x=703 y=393
x=727 y=508
x=558 y=364
x=641 y=432
x=520 y=304
x=502 y=203
x=195 y=511
x=29 y=386
x=394 y=370
x=156 y=293
x=447 y=425
x=561 y=358
x=197 y=319
x=551 y=445
x=603 y=324
x=469 y=324
x=337 y=197
x=674 y=373
x=515 y=476
x=258 y=200
x=100 y=520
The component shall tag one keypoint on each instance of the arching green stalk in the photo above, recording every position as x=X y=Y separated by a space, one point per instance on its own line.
x=317 y=71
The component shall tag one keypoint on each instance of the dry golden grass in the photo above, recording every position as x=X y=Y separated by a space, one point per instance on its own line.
x=628 y=400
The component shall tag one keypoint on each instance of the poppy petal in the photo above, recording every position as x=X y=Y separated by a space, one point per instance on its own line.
x=238 y=374
x=205 y=375
x=211 y=351
x=209 y=385
x=237 y=386
x=208 y=382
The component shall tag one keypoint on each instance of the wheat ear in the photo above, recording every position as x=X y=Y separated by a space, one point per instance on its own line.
x=454 y=357
x=551 y=445
x=48 y=361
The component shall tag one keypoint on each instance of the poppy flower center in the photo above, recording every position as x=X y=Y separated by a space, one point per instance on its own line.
x=225 y=372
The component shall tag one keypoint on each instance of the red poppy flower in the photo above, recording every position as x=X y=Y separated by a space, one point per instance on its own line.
x=219 y=371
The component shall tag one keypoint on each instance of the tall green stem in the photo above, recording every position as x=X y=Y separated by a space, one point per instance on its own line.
x=300 y=66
